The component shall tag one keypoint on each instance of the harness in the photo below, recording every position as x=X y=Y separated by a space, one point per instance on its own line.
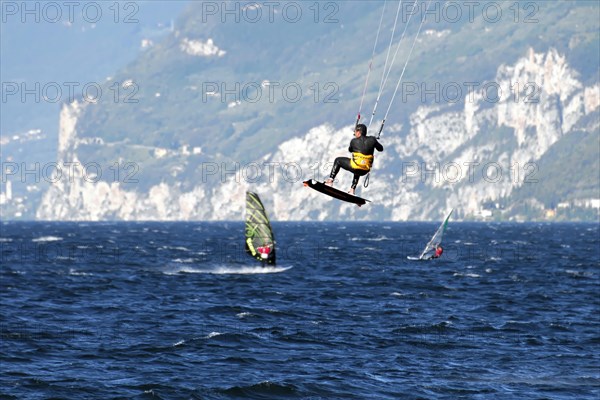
x=361 y=161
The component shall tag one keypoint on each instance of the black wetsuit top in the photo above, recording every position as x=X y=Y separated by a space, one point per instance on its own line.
x=365 y=145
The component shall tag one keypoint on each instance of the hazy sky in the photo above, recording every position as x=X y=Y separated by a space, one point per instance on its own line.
x=54 y=49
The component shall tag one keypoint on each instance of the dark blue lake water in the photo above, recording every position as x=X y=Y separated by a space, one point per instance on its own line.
x=178 y=311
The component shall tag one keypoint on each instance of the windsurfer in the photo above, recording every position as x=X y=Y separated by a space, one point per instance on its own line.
x=264 y=251
x=260 y=243
x=438 y=252
x=362 y=148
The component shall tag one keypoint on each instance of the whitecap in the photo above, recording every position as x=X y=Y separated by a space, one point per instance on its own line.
x=467 y=275
x=174 y=248
x=184 y=260
x=579 y=274
x=47 y=239
x=74 y=272
x=375 y=239
x=378 y=378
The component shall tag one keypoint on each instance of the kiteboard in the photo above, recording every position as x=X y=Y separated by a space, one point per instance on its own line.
x=335 y=193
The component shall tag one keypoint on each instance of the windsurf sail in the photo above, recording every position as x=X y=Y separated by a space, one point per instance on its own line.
x=260 y=242
x=436 y=239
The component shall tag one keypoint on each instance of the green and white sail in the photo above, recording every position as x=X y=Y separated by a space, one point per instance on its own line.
x=260 y=242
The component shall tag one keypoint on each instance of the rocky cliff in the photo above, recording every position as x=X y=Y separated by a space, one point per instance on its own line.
x=464 y=153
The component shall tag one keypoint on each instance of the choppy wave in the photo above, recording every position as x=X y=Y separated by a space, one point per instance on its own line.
x=468 y=275
x=368 y=239
x=145 y=318
x=181 y=248
x=184 y=260
x=262 y=390
x=47 y=239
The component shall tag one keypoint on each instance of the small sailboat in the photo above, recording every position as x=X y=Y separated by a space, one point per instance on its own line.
x=260 y=242
x=429 y=251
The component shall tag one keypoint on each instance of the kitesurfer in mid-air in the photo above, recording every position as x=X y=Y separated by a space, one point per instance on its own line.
x=362 y=148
